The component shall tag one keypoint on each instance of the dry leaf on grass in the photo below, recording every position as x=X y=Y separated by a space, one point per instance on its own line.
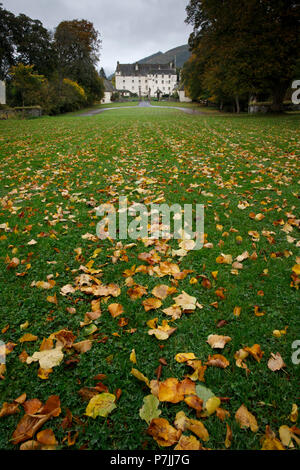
x=270 y=441
x=151 y=304
x=115 y=310
x=186 y=301
x=276 y=362
x=162 y=291
x=218 y=341
x=217 y=360
x=246 y=419
x=163 y=433
x=162 y=332
x=188 y=443
x=101 y=405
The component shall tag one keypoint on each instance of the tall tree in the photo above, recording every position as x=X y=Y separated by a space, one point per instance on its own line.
x=102 y=73
x=77 y=45
x=7 y=47
x=23 y=40
x=34 y=44
x=255 y=43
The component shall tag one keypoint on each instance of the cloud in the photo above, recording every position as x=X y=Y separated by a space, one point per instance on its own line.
x=130 y=29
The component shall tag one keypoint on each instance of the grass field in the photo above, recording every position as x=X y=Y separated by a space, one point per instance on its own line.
x=54 y=172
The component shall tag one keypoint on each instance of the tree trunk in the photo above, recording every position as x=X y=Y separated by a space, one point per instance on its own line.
x=278 y=97
x=23 y=110
x=237 y=104
x=221 y=105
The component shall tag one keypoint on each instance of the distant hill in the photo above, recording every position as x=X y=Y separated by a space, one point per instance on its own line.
x=182 y=54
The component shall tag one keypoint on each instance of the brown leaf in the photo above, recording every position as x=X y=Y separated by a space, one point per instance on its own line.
x=217 y=360
x=246 y=419
x=194 y=402
x=9 y=409
x=228 y=438
x=32 y=406
x=47 y=437
x=163 y=433
x=83 y=346
x=188 y=443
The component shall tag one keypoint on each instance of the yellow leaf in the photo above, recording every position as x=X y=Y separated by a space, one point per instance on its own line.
x=115 y=310
x=237 y=311
x=296 y=269
x=184 y=357
x=138 y=375
x=286 y=436
x=28 y=337
x=270 y=442
x=294 y=413
x=101 y=405
x=151 y=304
x=212 y=404
x=132 y=356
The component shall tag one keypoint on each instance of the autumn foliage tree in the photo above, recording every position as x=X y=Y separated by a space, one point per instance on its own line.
x=65 y=63
x=243 y=47
x=77 y=45
x=26 y=82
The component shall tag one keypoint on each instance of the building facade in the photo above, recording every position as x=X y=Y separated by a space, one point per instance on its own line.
x=2 y=92
x=183 y=98
x=108 y=91
x=146 y=80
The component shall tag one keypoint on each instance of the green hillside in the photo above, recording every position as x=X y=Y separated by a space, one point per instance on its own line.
x=181 y=53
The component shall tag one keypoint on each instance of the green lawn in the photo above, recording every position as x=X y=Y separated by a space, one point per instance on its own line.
x=55 y=171
x=197 y=106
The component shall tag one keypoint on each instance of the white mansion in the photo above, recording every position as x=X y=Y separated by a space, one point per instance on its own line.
x=146 y=79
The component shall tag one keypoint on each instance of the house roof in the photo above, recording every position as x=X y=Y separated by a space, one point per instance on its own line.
x=145 y=69
x=108 y=86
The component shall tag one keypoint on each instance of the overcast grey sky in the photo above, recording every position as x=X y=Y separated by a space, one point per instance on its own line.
x=130 y=29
